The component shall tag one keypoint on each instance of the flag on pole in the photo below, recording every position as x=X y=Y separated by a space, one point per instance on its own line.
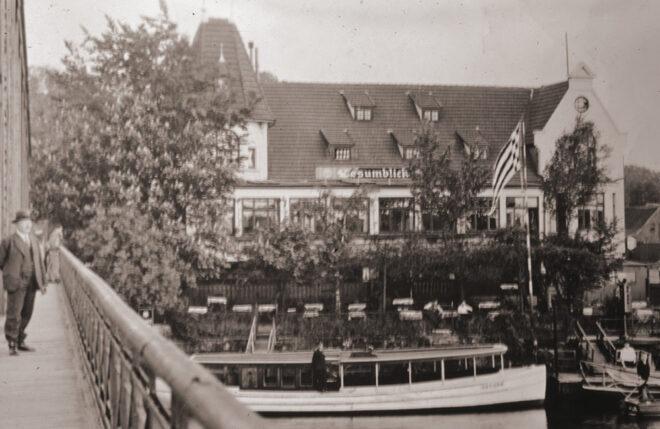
x=507 y=164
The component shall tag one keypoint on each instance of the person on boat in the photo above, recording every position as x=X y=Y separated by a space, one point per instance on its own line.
x=628 y=356
x=319 y=369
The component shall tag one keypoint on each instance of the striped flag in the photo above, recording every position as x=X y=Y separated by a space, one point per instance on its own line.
x=507 y=164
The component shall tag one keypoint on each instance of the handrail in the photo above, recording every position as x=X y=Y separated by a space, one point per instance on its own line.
x=124 y=357
x=609 y=346
x=272 y=338
x=249 y=348
x=583 y=337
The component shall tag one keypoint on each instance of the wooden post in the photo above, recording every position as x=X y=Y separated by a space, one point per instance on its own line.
x=442 y=370
x=409 y=372
x=377 y=372
x=341 y=376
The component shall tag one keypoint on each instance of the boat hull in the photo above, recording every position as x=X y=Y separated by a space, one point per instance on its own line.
x=510 y=387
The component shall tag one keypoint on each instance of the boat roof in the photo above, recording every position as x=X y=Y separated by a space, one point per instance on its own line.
x=347 y=356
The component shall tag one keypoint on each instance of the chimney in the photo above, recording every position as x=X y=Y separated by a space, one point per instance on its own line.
x=256 y=62
x=222 y=55
x=250 y=48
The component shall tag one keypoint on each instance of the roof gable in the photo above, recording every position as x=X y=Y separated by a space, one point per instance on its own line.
x=636 y=217
x=218 y=39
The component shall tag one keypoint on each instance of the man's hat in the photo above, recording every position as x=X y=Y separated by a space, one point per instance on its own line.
x=21 y=215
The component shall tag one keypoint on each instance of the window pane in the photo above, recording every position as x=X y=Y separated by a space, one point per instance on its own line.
x=289 y=377
x=270 y=376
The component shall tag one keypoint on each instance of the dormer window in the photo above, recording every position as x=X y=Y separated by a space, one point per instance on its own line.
x=363 y=114
x=342 y=153
x=410 y=153
x=340 y=144
x=360 y=105
x=428 y=107
x=431 y=115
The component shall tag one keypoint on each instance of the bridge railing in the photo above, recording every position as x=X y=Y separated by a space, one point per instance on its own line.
x=124 y=358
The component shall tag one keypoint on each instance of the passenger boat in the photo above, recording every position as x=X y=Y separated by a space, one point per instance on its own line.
x=380 y=381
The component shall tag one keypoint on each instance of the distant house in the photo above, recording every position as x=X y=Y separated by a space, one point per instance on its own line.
x=643 y=253
x=643 y=223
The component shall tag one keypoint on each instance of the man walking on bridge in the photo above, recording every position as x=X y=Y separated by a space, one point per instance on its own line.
x=22 y=274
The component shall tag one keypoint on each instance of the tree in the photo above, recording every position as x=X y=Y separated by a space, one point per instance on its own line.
x=578 y=264
x=312 y=248
x=642 y=186
x=267 y=77
x=574 y=173
x=140 y=123
x=449 y=193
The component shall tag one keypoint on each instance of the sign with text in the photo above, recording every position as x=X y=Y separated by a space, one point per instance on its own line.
x=358 y=173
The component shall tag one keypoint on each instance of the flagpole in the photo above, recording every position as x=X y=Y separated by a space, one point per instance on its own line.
x=523 y=184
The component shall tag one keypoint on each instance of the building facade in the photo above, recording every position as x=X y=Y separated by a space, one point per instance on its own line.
x=14 y=117
x=335 y=138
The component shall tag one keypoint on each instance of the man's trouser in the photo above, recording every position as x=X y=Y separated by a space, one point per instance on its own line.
x=20 y=305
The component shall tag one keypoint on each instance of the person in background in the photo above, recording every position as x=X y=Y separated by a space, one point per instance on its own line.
x=23 y=272
x=628 y=355
x=53 y=254
x=319 y=369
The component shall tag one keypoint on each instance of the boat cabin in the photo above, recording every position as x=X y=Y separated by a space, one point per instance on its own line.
x=293 y=370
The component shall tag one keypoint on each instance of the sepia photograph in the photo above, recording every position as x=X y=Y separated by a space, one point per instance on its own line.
x=256 y=214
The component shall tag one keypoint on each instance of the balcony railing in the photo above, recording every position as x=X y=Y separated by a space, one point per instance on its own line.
x=124 y=358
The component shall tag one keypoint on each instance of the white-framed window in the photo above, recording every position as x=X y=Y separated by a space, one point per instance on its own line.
x=515 y=212
x=479 y=220
x=592 y=214
x=410 y=153
x=431 y=115
x=251 y=160
x=342 y=153
x=307 y=212
x=259 y=213
x=395 y=215
x=354 y=216
x=363 y=114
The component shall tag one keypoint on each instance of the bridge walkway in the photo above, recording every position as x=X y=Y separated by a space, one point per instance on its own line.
x=47 y=388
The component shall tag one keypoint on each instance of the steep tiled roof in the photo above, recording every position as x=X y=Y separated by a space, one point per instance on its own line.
x=636 y=217
x=296 y=147
x=425 y=100
x=216 y=34
x=358 y=99
x=543 y=103
x=646 y=252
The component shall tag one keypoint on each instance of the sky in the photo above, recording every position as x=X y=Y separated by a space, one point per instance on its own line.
x=501 y=42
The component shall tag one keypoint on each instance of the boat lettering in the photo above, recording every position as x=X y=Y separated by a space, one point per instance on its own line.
x=488 y=386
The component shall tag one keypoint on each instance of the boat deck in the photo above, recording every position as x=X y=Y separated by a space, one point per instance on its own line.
x=343 y=356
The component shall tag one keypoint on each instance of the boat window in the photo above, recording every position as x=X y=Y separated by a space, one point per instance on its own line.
x=225 y=374
x=455 y=368
x=306 y=376
x=426 y=371
x=249 y=378
x=359 y=375
x=393 y=373
x=487 y=365
x=270 y=376
x=288 y=378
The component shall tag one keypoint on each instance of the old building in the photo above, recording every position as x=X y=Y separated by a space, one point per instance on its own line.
x=304 y=139
x=14 y=116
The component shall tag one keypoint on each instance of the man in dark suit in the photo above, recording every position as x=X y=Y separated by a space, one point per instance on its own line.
x=319 y=369
x=22 y=274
